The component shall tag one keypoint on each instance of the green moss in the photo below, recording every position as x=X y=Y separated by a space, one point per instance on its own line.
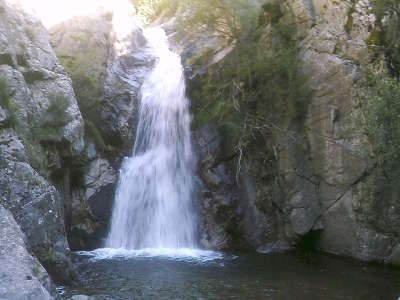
x=388 y=22
x=36 y=270
x=374 y=39
x=8 y=104
x=78 y=167
x=348 y=27
x=272 y=13
x=94 y=133
x=48 y=257
x=50 y=128
x=200 y=60
x=88 y=93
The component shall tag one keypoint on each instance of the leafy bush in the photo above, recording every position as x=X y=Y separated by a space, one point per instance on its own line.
x=88 y=94
x=7 y=103
x=92 y=131
x=230 y=19
x=148 y=10
x=255 y=90
x=50 y=128
x=381 y=120
x=350 y=20
x=388 y=19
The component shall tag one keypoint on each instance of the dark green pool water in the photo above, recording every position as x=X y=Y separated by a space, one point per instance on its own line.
x=242 y=276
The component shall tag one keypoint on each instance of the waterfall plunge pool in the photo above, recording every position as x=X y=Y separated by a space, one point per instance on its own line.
x=195 y=274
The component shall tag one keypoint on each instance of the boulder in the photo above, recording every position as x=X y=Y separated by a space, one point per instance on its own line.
x=22 y=276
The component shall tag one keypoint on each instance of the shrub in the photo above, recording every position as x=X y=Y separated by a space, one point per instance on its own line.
x=348 y=27
x=148 y=10
x=88 y=95
x=388 y=19
x=230 y=19
x=78 y=166
x=381 y=120
x=93 y=132
x=7 y=103
x=50 y=127
x=255 y=90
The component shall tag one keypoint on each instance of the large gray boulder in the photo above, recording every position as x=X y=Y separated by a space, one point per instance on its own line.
x=21 y=275
x=36 y=206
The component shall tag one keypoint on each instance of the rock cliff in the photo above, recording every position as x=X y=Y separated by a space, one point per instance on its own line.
x=314 y=186
x=32 y=149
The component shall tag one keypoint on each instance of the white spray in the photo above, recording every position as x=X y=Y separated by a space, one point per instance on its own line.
x=154 y=200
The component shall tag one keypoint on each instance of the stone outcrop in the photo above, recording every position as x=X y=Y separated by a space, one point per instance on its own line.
x=317 y=186
x=29 y=164
x=333 y=38
x=22 y=276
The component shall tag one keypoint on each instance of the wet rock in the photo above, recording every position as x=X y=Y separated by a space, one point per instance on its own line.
x=81 y=297
x=229 y=218
x=274 y=247
x=218 y=192
x=394 y=258
x=100 y=175
x=22 y=276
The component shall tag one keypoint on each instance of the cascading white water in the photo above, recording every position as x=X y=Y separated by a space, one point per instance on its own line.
x=154 y=200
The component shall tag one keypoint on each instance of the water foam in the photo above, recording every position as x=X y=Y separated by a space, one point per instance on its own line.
x=180 y=254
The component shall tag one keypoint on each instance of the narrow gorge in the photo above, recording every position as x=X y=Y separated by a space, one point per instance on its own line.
x=243 y=149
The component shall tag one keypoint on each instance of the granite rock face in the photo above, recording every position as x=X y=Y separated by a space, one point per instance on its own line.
x=319 y=184
x=28 y=164
x=22 y=276
x=231 y=218
x=333 y=53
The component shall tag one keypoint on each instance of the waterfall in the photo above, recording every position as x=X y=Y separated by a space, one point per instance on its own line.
x=154 y=199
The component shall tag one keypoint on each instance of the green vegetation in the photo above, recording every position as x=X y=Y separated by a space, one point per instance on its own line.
x=92 y=131
x=350 y=20
x=7 y=104
x=36 y=269
x=88 y=94
x=256 y=91
x=388 y=20
x=381 y=93
x=50 y=128
x=149 y=10
x=231 y=19
x=381 y=116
